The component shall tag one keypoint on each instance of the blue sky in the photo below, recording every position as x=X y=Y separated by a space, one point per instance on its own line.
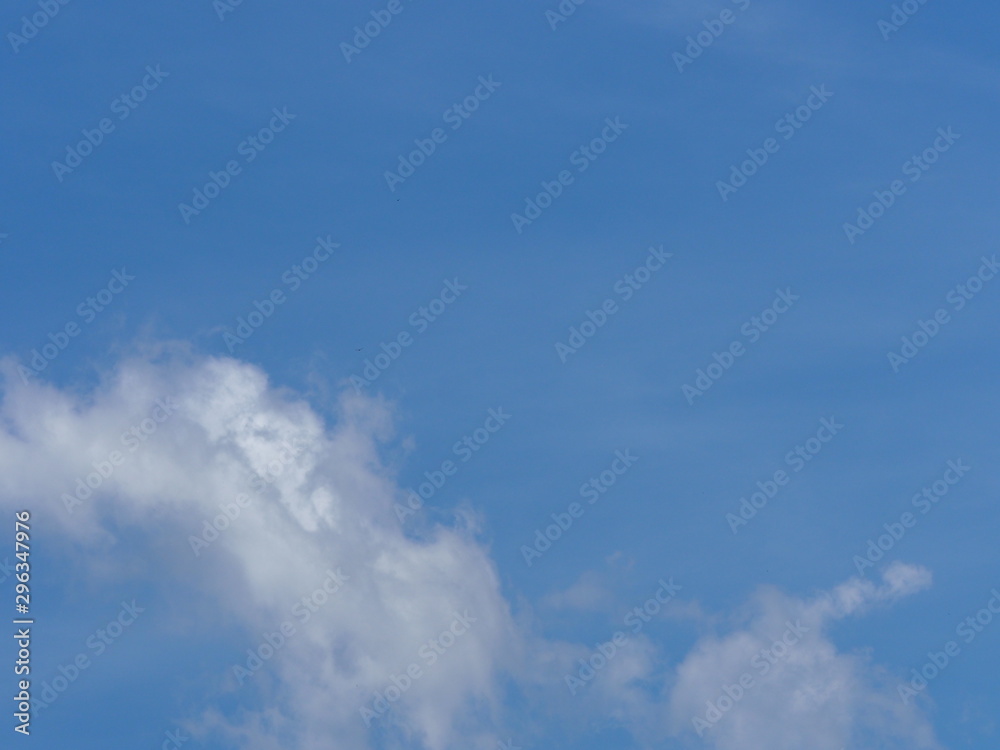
x=499 y=296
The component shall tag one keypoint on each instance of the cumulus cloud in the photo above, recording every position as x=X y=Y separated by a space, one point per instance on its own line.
x=245 y=493
x=324 y=502
x=778 y=681
x=588 y=593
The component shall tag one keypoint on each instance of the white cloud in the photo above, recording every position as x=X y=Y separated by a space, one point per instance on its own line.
x=588 y=593
x=798 y=690
x=332 y=507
